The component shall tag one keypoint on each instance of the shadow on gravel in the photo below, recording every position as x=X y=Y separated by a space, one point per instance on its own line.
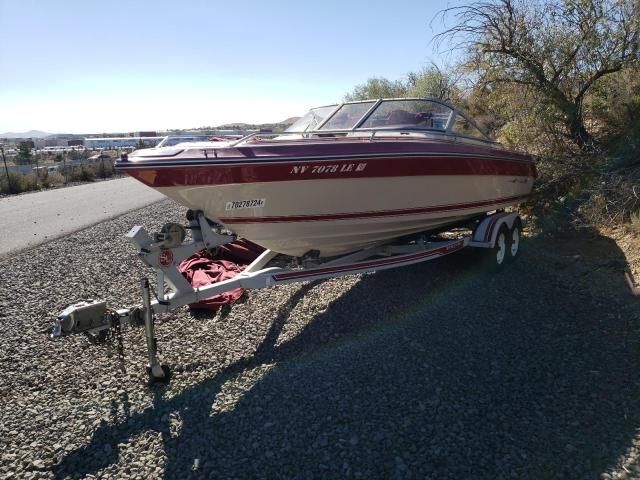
x=433 y=371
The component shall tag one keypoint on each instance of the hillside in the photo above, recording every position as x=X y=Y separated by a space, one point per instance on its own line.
x=29 y=134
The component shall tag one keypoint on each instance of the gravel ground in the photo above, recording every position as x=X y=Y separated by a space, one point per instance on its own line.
x=433 y=371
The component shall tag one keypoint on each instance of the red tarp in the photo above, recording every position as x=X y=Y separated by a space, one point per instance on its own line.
x=202 y=269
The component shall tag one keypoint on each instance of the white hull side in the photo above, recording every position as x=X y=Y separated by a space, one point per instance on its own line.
x=379 y=208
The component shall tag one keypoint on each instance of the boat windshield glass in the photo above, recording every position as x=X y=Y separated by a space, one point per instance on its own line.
x=312 y=119
x=347 y=116
x=462 y=126
x=409 y=114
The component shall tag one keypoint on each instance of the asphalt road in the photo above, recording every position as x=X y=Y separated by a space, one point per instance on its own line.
x=35 y=218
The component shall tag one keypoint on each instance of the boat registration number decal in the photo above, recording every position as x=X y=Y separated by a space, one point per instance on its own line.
x=331 y=168
x=254 y=203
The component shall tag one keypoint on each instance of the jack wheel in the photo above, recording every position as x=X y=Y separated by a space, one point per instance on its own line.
x=159 y=380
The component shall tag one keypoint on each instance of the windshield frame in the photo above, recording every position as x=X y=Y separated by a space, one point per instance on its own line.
x=336 y=107
x=451 y=114
x=376 y=102
x=357 y=126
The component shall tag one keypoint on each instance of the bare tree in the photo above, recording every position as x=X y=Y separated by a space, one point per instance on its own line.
x=560 y=48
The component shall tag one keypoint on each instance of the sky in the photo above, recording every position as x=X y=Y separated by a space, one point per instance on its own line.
x=71 y=66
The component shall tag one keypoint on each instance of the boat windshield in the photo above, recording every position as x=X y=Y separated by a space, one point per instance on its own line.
x=397 y=114
x=171 y=140
x=347 y=116
x=312 y=119
x=409 y=114
x=463 y=126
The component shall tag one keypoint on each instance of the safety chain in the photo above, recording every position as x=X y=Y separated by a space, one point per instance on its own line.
x=114 y=337
x=111 y=338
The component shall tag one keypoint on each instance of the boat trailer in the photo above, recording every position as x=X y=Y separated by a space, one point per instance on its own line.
x=499 y=232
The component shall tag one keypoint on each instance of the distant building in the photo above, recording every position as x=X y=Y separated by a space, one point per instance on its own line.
x=107 y=143
x=51 y=141
x=145 y=134
x=217 y=132
x=57 y=140
x=50 y=150
x=78 y=142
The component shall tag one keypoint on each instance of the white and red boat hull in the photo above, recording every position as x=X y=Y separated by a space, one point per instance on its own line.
x=335 y=204
x=353 y=213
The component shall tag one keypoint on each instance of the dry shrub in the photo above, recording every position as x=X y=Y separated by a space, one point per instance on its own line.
x=11 y=184
x=584 y=193
x=53 y=179
x=104 y=169
x=18 y=183
x=80 y=173
x=559 y=190
x=613 y=199
x=635 y=220
x=32 y=182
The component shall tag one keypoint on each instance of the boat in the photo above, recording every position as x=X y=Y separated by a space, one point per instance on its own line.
x=349 y=189
x=343 y=177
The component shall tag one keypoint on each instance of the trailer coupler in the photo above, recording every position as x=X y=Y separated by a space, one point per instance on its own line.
x=93 y=317
x=162 y=251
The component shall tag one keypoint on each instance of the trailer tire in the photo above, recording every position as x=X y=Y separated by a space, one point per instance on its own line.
x=515 y=239
x=499 y=254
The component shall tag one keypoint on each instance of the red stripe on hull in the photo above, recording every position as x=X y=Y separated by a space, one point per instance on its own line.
x=307 y=169
x=358 y=215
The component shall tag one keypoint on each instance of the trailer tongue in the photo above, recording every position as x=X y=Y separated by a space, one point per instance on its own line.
x=166 y=249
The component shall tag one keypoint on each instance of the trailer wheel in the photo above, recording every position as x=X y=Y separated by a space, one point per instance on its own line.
x=515 y=236
x=499 y=254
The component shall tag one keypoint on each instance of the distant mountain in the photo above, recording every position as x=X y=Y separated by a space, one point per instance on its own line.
x=29 y=134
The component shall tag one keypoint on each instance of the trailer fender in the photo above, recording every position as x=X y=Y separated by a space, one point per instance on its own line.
x=485 y=234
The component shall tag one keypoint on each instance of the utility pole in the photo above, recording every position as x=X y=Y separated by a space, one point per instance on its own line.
x=35 y=155
x=6 y=169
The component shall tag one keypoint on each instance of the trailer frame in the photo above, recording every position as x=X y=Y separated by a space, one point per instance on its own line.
x=498 y=232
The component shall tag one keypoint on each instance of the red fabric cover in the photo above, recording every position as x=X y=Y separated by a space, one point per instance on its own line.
x=201 y=270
